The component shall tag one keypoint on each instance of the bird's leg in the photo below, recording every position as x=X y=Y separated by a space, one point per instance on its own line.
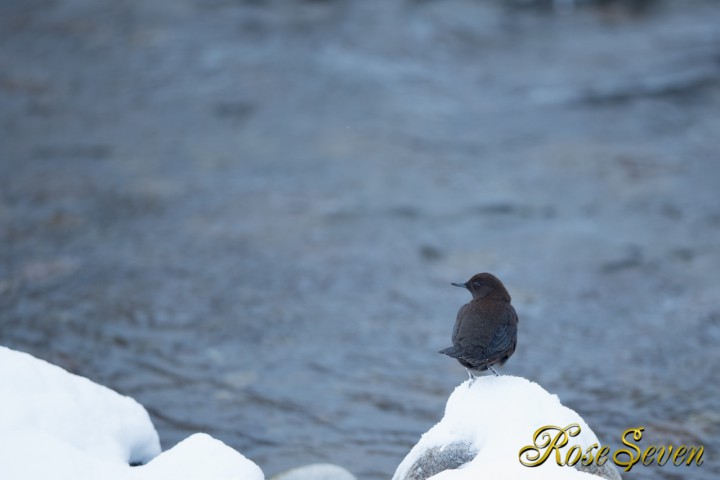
x=493 y=370
x=472 y=377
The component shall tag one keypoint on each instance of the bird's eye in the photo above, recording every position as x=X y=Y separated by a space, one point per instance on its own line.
x=476 y=284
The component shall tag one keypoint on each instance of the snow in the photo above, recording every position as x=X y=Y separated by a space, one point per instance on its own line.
x=36 y=395
x=199 y=456
x=499 y=416
x=54 y=424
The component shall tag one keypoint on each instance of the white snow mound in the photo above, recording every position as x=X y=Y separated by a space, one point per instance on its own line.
x=499 y=416
x=200 y=457
x=57 y=425
x=36 y=395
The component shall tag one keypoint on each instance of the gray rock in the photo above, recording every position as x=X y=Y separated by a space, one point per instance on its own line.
x=438 y=459
x=607 y=471
x=450 y=457
x=315 y=471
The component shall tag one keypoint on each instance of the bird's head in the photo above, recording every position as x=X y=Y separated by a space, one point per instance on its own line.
x=484 y=285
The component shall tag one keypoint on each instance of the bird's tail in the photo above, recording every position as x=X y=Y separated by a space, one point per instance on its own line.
x=453 y=351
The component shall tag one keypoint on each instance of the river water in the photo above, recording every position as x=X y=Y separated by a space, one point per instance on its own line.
x=247 y=214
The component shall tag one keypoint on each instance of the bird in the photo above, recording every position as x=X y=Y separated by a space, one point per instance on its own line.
x=485 y=332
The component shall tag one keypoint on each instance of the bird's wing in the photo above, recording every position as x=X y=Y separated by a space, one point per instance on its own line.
x=458 y=323
x=502 y=342
x=488 y=334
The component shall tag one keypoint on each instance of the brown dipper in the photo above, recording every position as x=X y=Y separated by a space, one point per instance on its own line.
x=485 y=332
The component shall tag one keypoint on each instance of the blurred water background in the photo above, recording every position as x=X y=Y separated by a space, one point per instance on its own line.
x=246 y=214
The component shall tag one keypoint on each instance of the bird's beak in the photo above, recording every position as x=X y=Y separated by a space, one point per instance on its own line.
x=459 y=284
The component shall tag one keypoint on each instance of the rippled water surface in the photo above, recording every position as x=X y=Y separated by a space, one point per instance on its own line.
x=246 y=214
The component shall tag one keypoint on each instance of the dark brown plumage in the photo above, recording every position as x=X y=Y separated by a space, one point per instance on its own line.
x=485 y=332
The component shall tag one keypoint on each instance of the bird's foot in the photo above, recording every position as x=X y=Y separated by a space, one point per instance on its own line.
x=493 y=370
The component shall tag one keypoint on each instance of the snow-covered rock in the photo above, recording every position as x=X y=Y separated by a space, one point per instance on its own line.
x=315 y=471
x=485 y=425
x=200 y=457
x=57 y=425
x=36 y=396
